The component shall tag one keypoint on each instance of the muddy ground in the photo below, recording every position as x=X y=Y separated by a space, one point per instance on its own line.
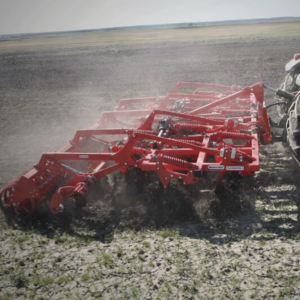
x=237 y=240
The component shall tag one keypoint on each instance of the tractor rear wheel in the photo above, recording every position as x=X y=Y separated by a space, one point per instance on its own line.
x=282 y=109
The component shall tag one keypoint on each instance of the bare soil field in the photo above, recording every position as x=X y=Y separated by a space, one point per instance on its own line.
x=238 y=240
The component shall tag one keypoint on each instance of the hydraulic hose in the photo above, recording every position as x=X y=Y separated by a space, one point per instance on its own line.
x=277 y=103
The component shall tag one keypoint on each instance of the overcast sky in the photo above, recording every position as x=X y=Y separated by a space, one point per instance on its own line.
x=31 y=16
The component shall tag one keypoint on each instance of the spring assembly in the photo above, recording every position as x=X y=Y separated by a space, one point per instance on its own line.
x=235 y=135
x=176 y=162
x=144 y=131
x=190 y=126
x=193 y=142
x=135 y=150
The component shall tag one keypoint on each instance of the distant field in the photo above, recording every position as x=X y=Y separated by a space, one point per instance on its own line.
x=211 y=32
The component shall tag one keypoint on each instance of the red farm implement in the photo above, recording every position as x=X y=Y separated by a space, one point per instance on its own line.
x=179 y=136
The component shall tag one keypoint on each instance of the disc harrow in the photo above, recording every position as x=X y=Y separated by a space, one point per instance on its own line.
x=179 y=136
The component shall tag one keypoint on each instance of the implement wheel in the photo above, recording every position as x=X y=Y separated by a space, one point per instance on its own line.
x=4 y=198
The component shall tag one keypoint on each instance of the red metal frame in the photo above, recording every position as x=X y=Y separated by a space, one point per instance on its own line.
x=207 y=132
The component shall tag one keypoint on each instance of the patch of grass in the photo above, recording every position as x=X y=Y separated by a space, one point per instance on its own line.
x=39 y=256
x=85 y=277
x=260 y=211
x=262 y=242
x=146 y=244
x=8 y=296
x=18 y=278
x=22 y=238
x=168 y=232
x=61 y=239
x=108 y=261
x=44 y=281
x=62 y=279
